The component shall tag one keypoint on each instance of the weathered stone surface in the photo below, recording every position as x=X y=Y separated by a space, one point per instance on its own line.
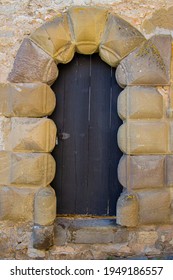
x=93 y=235
x=32 y=64
x=137 y=102
x=143 y=241
x=165 y=240
x=20 y=19
x=43 y=237
x=23 y=169
x=23 y=17
x=55 y=38
x=17 y=203
x=121 y=234
x=147 y=65
x=139 y=243
x=118 y=40
x=88 y=24
x=163 y=43
x=127 y=209
x=61 y=235
x=154 y=206
x=136 y=172
x=15 y=237
x=171 y=136
x=27 y=134
x=170 y=103
x=143 y=137
x=26 y=100
x=36 y=254
x=161 y=18
x=144 y=207
x=171 y=71
x=45 y=206
x=168 y=171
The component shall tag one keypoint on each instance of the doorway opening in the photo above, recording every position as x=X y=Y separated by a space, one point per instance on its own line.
x=87 y=153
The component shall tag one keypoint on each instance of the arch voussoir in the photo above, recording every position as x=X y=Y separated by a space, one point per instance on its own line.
x=32 y=64
x=118 y=40
x=149 y=64
x=88 y=24
x=56 y=39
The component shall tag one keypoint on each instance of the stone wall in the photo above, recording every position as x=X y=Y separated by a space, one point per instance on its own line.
x=145 y=70
x=18 y=19
x=89 y=239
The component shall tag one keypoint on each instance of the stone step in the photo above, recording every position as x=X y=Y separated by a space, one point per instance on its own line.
x=86 y=230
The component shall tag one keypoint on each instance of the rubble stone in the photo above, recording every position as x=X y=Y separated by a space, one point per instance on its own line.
x=43 y=237
x=160 y=18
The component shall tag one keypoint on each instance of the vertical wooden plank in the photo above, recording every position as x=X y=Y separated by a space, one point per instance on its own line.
x=67 y=138
x=114 y=186
x=81 y=134
x=87 y=154
x=71 y=184
x=98 y=172
x=58 y=116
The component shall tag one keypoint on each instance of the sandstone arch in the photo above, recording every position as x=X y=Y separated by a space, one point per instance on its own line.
x=142 y=63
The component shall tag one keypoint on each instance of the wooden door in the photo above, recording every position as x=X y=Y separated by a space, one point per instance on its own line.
x=87 y=154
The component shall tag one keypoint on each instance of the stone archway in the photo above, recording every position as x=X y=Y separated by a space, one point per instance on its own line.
x=28 y=137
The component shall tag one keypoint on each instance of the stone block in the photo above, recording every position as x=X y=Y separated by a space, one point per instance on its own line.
x=149 y=64
x=136 y=172
x=93 y=235
x=26 y=100
x=143 y=137
x=137 y=102
x=88 y=25
x=23 y=169
x=171 y=137
x=27 y=134
x=45 y=206
x=121 y=235
x=61 y=234
x=32 y=64
x=127 y=209
x=154 y=206
x=168 y=171
x=118 y=40
x=16 y=204
x=170 y=102
x=43 y=237
x=36 y=254
x=55 y=38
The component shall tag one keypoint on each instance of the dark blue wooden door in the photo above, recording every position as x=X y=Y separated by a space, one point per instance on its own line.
x=87 y=154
